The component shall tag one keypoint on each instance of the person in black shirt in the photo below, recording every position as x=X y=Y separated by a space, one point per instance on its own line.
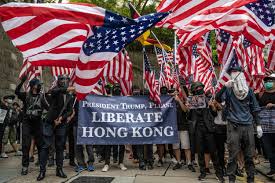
x=203 y=124
x=267 y=100
x=31 y=126
x=55 y=125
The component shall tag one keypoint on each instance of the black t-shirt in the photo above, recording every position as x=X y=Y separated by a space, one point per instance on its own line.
x=181 y=119
x=267 y=98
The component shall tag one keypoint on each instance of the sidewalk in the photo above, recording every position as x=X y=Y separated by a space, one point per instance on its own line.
x=10 y=172
x=263 y=168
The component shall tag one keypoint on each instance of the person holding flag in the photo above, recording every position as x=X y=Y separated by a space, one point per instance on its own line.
x=242 y=111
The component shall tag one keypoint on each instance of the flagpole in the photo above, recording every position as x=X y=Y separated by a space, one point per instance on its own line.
x=143 y=68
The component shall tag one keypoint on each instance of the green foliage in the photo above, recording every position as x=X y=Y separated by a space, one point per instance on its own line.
x=214 y=46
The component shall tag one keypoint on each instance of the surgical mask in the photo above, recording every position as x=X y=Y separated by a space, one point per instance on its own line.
x=268 y=85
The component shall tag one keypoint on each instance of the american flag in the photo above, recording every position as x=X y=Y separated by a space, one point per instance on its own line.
x=204 y=48
x=256 y=22
x=186 y=66
x=163 y=56
x=39 y=29
x=271 y=56
x=250 y=57
x=224 y=45
x=191 y=18
x=119 y=70
x=150 y=80
x=105 y=43
x=50 y=34
x=56 y=71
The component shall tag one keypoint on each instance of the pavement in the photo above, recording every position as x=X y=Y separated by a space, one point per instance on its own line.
x=10 y=172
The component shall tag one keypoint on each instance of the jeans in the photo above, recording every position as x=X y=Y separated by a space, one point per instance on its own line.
x=205 y=141
x=269 y=145
x=240 y=136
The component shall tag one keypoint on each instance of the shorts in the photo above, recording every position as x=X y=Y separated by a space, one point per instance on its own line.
x=9 y=134
x=184 y=141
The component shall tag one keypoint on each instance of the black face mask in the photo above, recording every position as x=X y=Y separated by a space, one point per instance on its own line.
x=108 y=91
x=116 y=92
x=39 y=87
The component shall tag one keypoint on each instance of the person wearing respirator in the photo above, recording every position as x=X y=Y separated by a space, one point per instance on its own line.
x=242 y=111
x=267 y=100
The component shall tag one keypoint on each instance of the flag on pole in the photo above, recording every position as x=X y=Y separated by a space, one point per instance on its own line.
x=150 y=80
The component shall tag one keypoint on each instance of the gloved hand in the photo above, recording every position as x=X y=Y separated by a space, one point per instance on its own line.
x=259 y=131
x=229 y=83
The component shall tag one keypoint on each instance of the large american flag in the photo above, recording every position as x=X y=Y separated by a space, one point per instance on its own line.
x=119 y=70
x=256 y=22
x=150 y=80
x=104 y=44
x=192 y=19
x=50 y=34
x=39 y=29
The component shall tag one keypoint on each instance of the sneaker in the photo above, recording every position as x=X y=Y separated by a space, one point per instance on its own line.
x=271 y=173
x=90 y=168
x=79 y=169
x=160 y=163
x=177 y=166
x=24 y=171
x=202 y=177
x=31 y=159
x=4 y=155
x=105 y=168
x=18 y=153
x=122 y=167
x=174 y=160
x=190 y=167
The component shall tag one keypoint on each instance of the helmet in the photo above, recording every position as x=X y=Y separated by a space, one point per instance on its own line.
x=34 y=82
x=63 y=80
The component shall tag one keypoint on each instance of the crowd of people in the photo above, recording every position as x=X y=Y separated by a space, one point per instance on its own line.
x=228 y=124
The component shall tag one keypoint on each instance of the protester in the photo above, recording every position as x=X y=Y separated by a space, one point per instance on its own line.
x=184 y=144
x=116 y=91
x=144 y=152
x=55 y=125
x=31 y=126
x=267 y=101
x=203 y=123
x=10 y=130
x=242 y=110
x=220 y=132
x=161 y=147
